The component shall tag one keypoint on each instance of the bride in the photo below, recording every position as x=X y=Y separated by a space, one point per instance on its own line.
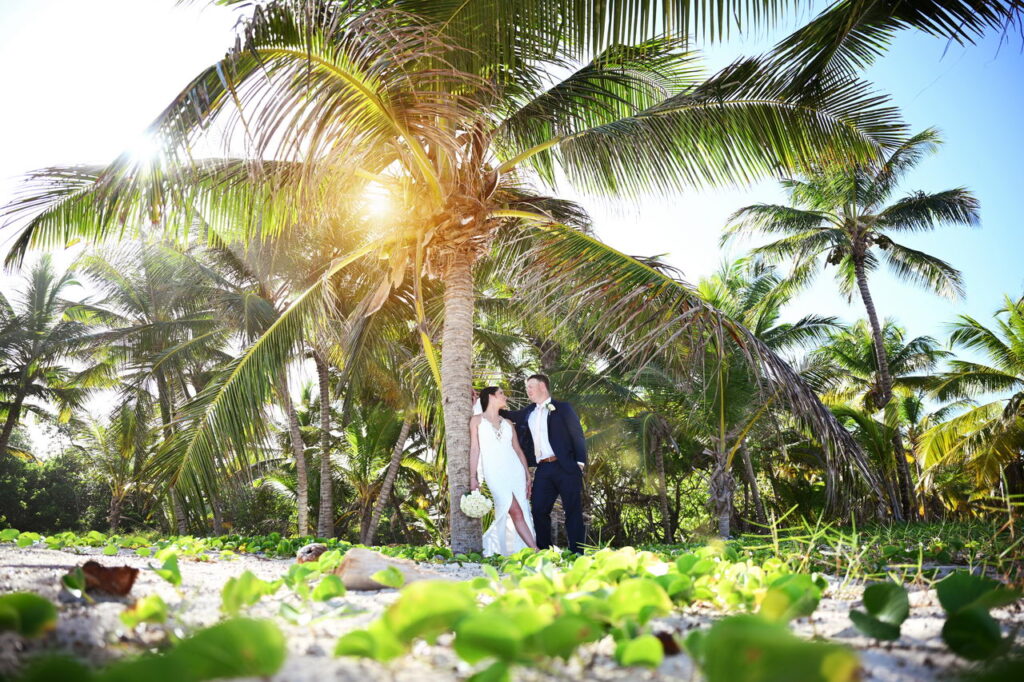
x=494 y=450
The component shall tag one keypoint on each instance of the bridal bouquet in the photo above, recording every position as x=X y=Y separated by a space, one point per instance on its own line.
x=475 y=505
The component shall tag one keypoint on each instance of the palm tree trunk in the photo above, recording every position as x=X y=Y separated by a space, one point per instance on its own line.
x=389 y=480
x=12 y=417
x=166 y=415
x=666 y=522
x=755 y=494
x=114 y=516
x=884 y=378
x=722 y=487
x=903 y=473
x=325 y=516
x=456 y=381
x=218 y=516
x=178 y=511
x=299 y=453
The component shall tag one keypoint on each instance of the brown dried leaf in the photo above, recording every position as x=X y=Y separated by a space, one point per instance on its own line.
x=116 y=580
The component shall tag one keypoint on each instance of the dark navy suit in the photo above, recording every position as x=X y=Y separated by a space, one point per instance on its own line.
x=563 y=477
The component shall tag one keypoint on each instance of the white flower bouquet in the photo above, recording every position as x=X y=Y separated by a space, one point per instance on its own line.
x=475 y=505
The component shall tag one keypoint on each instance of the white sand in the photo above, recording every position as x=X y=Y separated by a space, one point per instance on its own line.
x=95 y=633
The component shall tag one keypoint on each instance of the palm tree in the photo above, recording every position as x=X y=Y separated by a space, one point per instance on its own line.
x=112 y=450
x=841 y=216
x=156 y=319
x=985 y=439
x=449 y=111
x=38 y=335
x=850 y=373
x=752 y=293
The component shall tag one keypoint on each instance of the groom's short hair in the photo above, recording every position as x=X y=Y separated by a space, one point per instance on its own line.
x=542 y=378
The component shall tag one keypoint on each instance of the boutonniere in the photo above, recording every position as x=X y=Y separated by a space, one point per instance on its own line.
x=551 y=407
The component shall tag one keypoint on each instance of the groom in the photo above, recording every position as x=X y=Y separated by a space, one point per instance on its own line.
x=552 y=439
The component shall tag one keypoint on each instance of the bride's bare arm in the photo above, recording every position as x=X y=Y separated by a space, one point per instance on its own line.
x=474 y=452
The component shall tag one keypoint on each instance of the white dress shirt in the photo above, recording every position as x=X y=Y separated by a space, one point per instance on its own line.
x=539 y=430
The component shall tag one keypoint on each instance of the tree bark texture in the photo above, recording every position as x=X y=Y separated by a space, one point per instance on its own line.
x=456 y=381
x=389 y=480
x=325 y=515
x=751 y=478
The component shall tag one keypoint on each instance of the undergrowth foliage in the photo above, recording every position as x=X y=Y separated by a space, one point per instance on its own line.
x=534 y=608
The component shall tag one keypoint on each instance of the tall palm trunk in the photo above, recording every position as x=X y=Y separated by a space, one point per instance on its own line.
x=884 y=377
x=755 y=494
x=14 y=413
x=114 y=514
x=903 y=472
x=389 y=480
x=325 y=516
x=666 y=522
x=456 y=382
x=722 y=487
x=163 y=395
x=299 y=453
x=218 y=515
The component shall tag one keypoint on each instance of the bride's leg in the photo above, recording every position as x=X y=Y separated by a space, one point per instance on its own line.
x=520 y=523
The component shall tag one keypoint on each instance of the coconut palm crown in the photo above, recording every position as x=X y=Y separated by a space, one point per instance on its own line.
x=843 y=217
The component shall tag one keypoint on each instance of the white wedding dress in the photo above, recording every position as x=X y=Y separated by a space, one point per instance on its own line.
x=503 y=472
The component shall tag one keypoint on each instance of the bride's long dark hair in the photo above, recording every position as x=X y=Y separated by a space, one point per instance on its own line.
x=485 y=396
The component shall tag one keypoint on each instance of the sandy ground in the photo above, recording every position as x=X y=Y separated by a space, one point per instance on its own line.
x=94 y=632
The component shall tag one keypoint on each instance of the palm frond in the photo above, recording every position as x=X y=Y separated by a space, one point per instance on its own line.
x=849 y=35
x=923 y=269
x=736 y=127
x=647 y=314
x=924 y=211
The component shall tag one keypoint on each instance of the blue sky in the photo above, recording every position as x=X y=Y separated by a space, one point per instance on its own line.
x=82 y=80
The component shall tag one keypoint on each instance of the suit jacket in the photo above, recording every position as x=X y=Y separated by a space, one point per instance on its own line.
x=565 y=433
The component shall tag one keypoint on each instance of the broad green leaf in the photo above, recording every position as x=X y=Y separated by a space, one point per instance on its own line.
x=389 y=577
x=74 y=582
x=563 y=636
x=26 y=539
x=149 y=609
x=645 y=650
x=428 y=608
x=9 y=535
x=298 y=574
x=330 y=586
x=245 y=590
x=872 y=627
x=496 y=672
x=27 y=614
x=747 y=648
x=641 y=598
x=887 y=607
x=377 y=642
x=143 y=551
x=962 y=590
x=359 y=643
x=329 y=560
x=240 y=647
x=110 y=550
x=169 y=571
x=789 y=597
x=973 y=634
x=481 y=636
